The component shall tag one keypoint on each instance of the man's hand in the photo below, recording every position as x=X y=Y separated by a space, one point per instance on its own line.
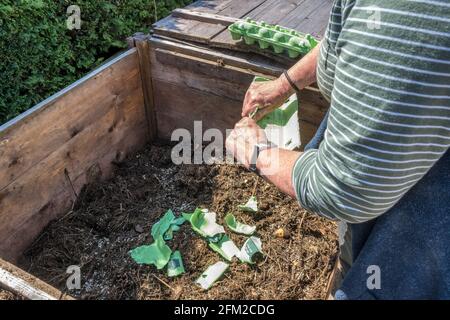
x=266 y=96
x=242 y=140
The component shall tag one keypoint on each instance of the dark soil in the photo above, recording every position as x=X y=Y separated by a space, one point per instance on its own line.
x=113 y=217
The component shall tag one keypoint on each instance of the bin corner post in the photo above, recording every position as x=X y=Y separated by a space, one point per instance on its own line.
x=142 y=44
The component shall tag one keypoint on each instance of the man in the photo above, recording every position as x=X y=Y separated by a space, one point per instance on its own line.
x=382 y=166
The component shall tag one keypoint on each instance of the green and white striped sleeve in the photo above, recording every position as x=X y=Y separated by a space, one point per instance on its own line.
x=389 y=120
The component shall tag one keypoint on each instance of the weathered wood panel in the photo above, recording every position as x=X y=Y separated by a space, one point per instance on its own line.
x=72 y=138
x=203 y=32
x=179 y=27
x=29 y=139
x=200 y=74
x=189 y=105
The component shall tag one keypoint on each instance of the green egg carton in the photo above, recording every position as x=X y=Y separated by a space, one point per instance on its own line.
x=268 y=36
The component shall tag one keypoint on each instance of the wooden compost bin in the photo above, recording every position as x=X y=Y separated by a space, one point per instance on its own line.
x=188 y=69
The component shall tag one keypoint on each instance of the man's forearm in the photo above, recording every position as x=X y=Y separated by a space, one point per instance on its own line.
x=303 y=73
x=276 y=165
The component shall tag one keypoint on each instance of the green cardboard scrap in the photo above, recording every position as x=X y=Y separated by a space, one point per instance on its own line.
x=250 y=206
x=237 y=226
x=167 y=225
x=157 y=254
x=212 y=274
x=175 y=266
x=250 y=248
x=225 y=247
x=204 y=223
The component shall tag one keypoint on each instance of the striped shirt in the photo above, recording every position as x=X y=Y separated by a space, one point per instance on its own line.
x=385 y=67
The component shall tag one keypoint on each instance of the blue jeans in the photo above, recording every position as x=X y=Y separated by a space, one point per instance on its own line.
x=405 y=253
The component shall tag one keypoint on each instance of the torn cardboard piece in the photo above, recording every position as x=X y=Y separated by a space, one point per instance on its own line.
x=166 y=226
x=225 y=247
x=250 y=249
x=157 y=254
x=175 y=265
x=212 y=274
x=250 y=206
x=281 y=126
x=204 y=223
x=237 y=226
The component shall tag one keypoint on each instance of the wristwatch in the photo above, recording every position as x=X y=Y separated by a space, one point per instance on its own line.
x=257 y=149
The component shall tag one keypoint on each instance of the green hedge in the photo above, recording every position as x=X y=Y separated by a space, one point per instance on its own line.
x=39 y=55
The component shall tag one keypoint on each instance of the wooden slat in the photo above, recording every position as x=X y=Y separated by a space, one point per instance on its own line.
x=257 y=65
x=200 y=74
x=192 y=30
x=98 y=121
x=189 y=105
x=179 y=27
x=310 y=17
x=236 y=9
x=141 y=42
x=27 y=286
x=203 y=17
x=276 y=11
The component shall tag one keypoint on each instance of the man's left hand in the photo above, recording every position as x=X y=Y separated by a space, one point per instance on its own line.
x=242 y=140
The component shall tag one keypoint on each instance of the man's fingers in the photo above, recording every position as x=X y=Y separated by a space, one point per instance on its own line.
x=262 y=112
x=246 y=105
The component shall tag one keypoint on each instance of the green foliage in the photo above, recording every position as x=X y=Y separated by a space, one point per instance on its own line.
x=39 y=55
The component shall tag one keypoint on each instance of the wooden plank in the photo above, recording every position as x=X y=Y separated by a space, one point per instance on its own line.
x=201 y=32
x=204 y=75
x=49 y=187
x=179 y=27
x=276 y=11
x=22 y=288
x=240 y=61
x=189 y=105
x=310 y=17
x=236 y=9
x=31 y=137
x=142 y=44
x=203 y=17
x=27 y=286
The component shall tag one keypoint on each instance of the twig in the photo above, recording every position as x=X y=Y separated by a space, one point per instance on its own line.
x=301 y=222
x=164 y=283
x=256 y=185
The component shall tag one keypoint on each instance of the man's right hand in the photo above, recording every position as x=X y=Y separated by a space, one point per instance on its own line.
x=266 y=96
